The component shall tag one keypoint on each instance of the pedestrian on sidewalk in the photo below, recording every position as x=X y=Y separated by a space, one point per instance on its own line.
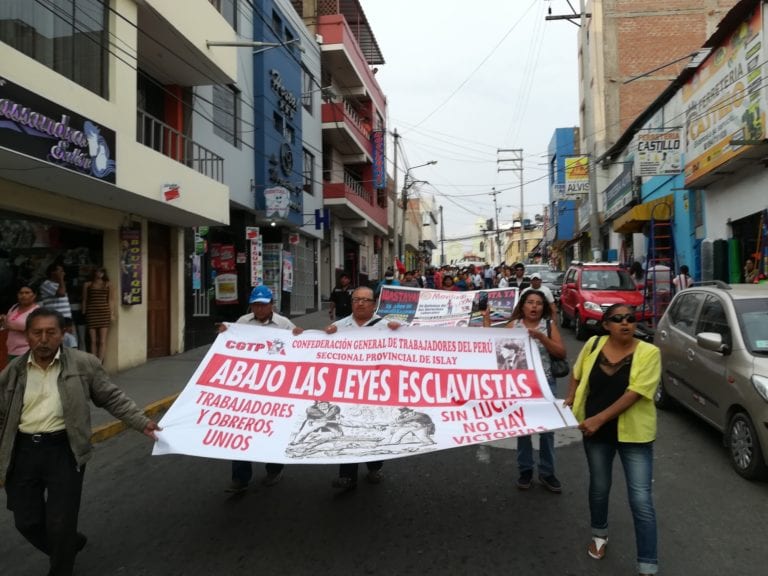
x=341 y=298
x=261 y=302
x=45 y=432
x=53 y=291
x=362 y=317
x=612 y=387
x=683 y=280
x=16 y=321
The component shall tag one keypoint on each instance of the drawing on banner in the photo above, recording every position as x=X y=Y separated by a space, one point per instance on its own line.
x=510 y=354
x=360 y=431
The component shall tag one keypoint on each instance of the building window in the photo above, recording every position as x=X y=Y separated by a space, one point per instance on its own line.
x=277 y=25
x=327 y=167
x=306 y=90
x=228 y=9
x=309 y=171
x=226 y=114
x=68 y=36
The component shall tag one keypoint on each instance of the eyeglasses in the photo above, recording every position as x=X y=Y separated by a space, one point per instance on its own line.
x=619 y=318
x=362 y=300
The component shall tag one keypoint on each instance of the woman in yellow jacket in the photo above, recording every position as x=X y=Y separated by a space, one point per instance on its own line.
x=611 y=391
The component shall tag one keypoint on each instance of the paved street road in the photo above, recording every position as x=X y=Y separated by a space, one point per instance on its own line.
x=445 y=513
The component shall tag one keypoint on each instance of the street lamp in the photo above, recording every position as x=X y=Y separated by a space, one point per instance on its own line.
x=406 y=186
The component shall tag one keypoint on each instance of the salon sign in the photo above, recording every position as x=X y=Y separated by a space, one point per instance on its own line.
x=42 y=129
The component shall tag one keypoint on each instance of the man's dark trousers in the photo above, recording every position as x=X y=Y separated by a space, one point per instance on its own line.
x=44 y=463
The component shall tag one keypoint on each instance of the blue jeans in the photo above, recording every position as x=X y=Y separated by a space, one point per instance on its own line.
x=525 y=461
x=637 y=460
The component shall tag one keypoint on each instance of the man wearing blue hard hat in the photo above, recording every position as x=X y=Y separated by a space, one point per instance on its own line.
x=261 y=314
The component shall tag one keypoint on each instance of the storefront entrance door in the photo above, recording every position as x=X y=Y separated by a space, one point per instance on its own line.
x=158 y=291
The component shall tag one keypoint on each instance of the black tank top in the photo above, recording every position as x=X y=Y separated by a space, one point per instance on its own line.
x=607 y=383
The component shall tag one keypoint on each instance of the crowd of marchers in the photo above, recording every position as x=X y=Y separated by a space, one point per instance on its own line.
x=45 y=419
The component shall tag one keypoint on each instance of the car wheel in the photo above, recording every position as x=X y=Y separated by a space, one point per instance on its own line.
x=581 y=329
x=564 y=322
x=744 y=448
x=662 y=399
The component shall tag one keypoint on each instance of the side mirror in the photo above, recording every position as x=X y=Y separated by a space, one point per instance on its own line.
x=711 y=341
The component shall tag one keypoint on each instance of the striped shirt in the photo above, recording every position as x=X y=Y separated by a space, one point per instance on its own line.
x=49 y=298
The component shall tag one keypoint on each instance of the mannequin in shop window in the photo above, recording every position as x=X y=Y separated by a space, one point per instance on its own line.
x=98 y=310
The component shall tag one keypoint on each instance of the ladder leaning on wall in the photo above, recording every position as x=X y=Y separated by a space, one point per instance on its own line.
x=660 y=264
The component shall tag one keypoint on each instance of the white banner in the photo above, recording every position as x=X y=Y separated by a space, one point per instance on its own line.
x=425 y=307
x=359 y=395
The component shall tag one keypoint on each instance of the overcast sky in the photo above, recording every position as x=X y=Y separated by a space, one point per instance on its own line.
x=465 y=79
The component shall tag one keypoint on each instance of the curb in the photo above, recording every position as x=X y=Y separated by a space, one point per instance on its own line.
x=111 y=429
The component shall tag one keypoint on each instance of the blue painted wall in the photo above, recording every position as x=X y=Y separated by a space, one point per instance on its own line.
x=683 y=228
x=563 y=211
x=277 y=76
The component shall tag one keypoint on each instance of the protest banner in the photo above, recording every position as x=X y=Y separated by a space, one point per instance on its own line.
x=359 y=395
x=423 y=307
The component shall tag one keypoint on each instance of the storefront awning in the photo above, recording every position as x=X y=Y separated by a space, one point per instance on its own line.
x=637 y=217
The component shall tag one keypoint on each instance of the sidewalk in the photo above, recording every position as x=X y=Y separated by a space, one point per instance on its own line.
x=155 y=385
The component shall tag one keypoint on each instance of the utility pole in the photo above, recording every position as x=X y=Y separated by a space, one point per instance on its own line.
x=442 y=238
x=407 y=183
x=517 y=166
x=395 y=242
x=587 y=128
x=496 y=216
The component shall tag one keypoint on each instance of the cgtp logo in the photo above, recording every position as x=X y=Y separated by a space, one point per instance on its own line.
x=276 y=347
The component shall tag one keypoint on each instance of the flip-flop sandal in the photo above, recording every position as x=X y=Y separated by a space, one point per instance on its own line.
x=597 y=547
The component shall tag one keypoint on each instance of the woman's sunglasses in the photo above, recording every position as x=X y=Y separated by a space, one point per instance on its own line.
x=619 y=318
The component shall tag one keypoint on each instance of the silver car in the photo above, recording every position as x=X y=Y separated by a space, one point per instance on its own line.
x=714 y=351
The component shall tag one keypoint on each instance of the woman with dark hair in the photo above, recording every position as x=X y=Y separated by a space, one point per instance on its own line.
x=16 y=321
x=683 y=280
x=533 y=314
x=448 y=284
x=611 y=391
x=637 y=273
x=97 y=309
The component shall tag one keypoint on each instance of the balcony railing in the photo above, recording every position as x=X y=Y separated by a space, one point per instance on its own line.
x=356 y=187
x=165 y=139
x=351 y=113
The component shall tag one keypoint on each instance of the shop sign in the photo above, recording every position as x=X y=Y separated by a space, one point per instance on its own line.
x=576 y=175
x=257 y=263
x=276 y=202
x=225 y=286
x=658 y=153
x=42 y=129
x=130 y=265
x=378 y=149
x=287 y=271
x=197 y=272
x=251 y=232
x=287 y=102
x=619 y=193
x=171 y=192
x=724 y=100
x=293 y=239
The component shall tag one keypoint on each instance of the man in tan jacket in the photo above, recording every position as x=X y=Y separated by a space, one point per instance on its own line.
x=45 y=431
